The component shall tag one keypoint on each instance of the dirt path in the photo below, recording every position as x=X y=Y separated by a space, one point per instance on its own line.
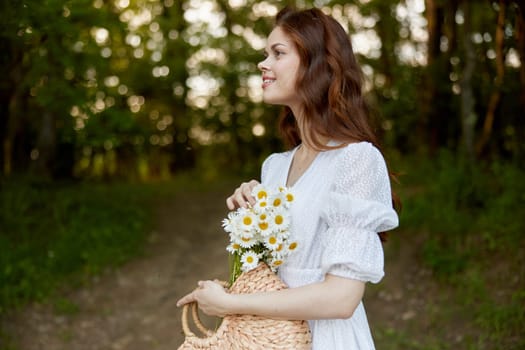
x=133 y=308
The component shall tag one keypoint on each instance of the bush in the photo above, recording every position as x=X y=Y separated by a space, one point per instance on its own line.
x=50 y=233
x=470 y=218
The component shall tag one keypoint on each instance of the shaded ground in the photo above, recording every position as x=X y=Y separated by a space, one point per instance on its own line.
x=134 y=308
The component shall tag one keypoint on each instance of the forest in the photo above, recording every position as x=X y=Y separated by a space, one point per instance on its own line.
x=106 y=105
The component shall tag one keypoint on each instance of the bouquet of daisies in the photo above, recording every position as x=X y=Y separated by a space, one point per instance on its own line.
x=260 y=232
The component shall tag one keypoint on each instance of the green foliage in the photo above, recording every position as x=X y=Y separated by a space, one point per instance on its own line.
x=393 y=339
x=470 y=218
x=135 y=80
x=52 y=233
x=503 y=322
x=63 y=306
x=460 y=197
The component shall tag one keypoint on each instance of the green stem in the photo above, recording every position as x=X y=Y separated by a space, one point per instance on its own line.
x=235 y=267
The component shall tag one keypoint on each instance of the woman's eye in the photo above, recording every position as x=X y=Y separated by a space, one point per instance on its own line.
x=278 y=53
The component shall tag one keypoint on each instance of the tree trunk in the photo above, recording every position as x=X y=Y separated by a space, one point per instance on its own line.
x=429 y=91
x=384 y=29
x=468 y=115
x=46 y=146
x=495 y=96
x=5 y=146
x=182 y=151
x=9 y=91
x=232 y=82
x=14 y=95
x=520 y=38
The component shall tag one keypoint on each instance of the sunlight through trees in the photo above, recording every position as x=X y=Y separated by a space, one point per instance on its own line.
x=102 y=89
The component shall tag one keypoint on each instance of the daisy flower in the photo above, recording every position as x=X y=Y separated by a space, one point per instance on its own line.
x=292 y=246
x=263 y=226
x=228 y=224
x=280 y=220
x=247 y=241
x=261 y=206
x=287 y=194
x=277 y=200
x=249 y=260
x=233 y=247
x=275 y=263
x=281 y=251
x=272 y=242
x=259 y=192
x=261 y=232
x=246 y=220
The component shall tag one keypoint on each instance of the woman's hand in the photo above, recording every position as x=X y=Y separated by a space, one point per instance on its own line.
x=242 y=196
x=211 y=298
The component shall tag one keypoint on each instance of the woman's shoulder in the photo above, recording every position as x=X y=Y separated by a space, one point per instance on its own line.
x=359 y=162
x=275 y=161
x=278 y=156
x=362 y=151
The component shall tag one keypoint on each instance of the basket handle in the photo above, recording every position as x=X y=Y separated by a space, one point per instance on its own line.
x=196 y=320
x=195 y=317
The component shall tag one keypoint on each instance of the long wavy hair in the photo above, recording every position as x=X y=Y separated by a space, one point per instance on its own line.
x=329 y=85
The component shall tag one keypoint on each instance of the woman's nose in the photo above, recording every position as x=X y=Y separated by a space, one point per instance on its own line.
x=263 y=65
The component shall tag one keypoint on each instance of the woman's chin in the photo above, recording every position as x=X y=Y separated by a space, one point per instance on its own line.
x=272 y=100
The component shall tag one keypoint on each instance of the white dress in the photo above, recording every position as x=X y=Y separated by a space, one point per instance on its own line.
x=341 y=201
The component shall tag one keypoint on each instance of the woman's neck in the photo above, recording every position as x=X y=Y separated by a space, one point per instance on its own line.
x=306 y=142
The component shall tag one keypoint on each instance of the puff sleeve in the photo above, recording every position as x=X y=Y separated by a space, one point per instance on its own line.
x=358 y=206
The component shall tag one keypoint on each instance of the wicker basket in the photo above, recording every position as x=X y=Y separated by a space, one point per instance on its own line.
x=248 y=332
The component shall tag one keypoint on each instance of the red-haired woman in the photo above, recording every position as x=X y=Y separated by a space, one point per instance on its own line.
x=339 y=178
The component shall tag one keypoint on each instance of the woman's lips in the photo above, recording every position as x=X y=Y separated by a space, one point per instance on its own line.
x=267 y=81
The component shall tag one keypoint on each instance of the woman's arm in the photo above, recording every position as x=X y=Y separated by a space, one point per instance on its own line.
x=335 y=297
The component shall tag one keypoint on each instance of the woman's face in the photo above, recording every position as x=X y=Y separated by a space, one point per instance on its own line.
x=279 y=70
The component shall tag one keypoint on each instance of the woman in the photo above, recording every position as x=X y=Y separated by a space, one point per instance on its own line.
x=340 y=182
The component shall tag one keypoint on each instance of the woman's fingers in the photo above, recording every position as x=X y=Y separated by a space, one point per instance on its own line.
x=242 y=196
x=196 y=294
x=249 y=188
x=229 y=203
x=188 y=298
x=236 y=200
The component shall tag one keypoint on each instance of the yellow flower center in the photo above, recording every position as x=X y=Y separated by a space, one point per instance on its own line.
x=246 y=239
x=272 y=240
x=262 y=194
x=279 y=219
x=263 y=225
x=277 y=262
x=262 y=204
x=249 y=259
x=277 y=202
x=236 y=246
x=247 y=220
x=289 y=197
x=293 y=246
x=279 y=248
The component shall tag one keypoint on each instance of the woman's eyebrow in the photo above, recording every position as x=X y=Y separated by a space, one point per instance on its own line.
x=273 y=47
x=277 y=44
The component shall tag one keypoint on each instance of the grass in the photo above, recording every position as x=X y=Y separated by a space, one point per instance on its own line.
x=51 y=233
x=470 y=220
x=56 y=234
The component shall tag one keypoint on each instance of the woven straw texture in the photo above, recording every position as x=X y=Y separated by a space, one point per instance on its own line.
x=247 y=332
